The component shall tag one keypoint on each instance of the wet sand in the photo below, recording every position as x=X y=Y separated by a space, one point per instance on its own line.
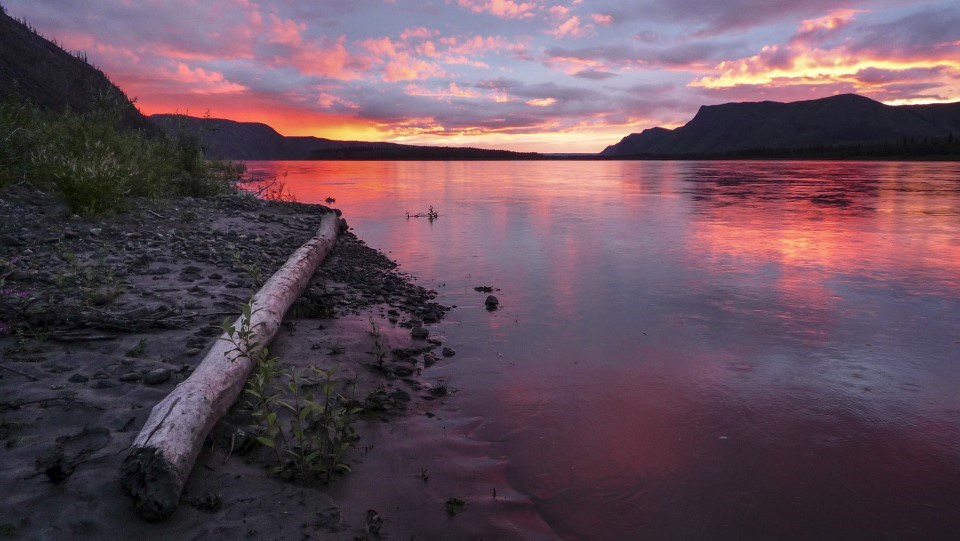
x=106 y=316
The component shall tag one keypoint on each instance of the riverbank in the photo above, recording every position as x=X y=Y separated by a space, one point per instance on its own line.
x=103 y=317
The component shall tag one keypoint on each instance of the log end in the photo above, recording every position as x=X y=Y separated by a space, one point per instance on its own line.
x=152 y=482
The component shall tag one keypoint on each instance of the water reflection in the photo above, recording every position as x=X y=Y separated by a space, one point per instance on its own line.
x=718 y=350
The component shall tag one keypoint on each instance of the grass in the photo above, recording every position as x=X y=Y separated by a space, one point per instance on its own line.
x=97 y=165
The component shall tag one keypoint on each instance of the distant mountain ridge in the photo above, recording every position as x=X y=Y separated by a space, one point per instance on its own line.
x=40 y=72
x=231 y=140
x=846 y=119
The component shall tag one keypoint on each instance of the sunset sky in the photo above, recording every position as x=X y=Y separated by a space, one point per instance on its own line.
x=551 y=76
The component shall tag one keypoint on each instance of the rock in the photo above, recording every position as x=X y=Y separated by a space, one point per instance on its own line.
x=448 y=352
x=95 y=231
x=430 y=317
x=429 y=359
x=103 y=384
x=158 y=376
x=78 y=378
x=192 y=352
x=492 y=302
x=130 y=377
x=420 y=332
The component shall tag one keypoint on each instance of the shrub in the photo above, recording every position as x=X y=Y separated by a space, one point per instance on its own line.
x=97 y=165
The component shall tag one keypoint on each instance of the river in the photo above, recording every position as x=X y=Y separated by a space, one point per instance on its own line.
x=691 y=350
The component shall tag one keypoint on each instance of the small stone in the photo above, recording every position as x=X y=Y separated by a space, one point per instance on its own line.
x=215 y=276
x=158 y=376
x=448 y=352
x=130 y=377
x=95 y=231
x=492 y=302
x=231 y=285
x=420 y=332
x=192 y=352
x=78 y=378
x=429 y=359
x=103 y=384
x=431 y=317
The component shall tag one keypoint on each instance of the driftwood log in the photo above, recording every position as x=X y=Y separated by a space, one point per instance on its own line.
x=158 y=464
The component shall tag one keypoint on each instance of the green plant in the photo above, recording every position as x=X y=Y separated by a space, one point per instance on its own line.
x=318 y=432
x=137 y=350
x=309 y=431
x=97 y=164
x=250 y=268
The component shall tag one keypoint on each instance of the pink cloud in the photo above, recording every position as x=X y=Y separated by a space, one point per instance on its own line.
x=505 y=9
x=570 y=28
x=601 y=18
x=201 y=81
x=399 y=64
x=817 y=29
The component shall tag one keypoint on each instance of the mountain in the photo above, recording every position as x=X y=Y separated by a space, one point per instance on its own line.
x=836 y=121
x=232 y=140
x=38 y=71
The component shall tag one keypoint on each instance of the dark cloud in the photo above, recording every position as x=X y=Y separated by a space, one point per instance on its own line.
x=674 y=55
x=710 y=17
x=919 y=35
x=594 y=75
x=878 y=76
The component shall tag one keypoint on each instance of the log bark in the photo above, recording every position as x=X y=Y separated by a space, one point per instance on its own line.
x=159 y=462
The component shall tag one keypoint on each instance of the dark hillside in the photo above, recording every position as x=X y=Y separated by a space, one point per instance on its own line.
x=770 y=128
x=40 y=72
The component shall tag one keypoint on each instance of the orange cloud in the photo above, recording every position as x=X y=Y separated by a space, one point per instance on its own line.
x=541 y=102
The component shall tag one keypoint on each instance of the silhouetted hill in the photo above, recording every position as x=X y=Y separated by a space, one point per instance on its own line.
x=40 y=72
x=232 y=140
x=763 y=128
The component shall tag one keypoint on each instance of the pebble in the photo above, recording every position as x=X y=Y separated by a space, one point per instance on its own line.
x=78 y=378
x=95 y=231
x=130 y=376
x=158 y=376
x=103 y=384
x=192 y=352
x=419 y=332
x=448 y=352
x=491 y=302
x=429 y=359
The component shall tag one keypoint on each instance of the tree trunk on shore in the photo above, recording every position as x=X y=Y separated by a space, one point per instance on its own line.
x=162 y=456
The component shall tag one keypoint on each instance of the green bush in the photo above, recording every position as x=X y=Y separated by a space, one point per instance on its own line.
x=97 y=165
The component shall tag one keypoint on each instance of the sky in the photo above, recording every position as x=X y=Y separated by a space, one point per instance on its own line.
x=527 y=75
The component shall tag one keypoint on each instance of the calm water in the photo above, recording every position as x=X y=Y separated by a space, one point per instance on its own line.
x=692 y=350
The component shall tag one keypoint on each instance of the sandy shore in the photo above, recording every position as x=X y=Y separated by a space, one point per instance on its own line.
x=103 y=317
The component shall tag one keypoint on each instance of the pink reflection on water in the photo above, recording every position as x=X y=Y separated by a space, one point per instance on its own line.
x=723 y=350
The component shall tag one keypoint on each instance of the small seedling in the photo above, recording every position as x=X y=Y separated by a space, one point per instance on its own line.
x=454 y=506
x=137 y=350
